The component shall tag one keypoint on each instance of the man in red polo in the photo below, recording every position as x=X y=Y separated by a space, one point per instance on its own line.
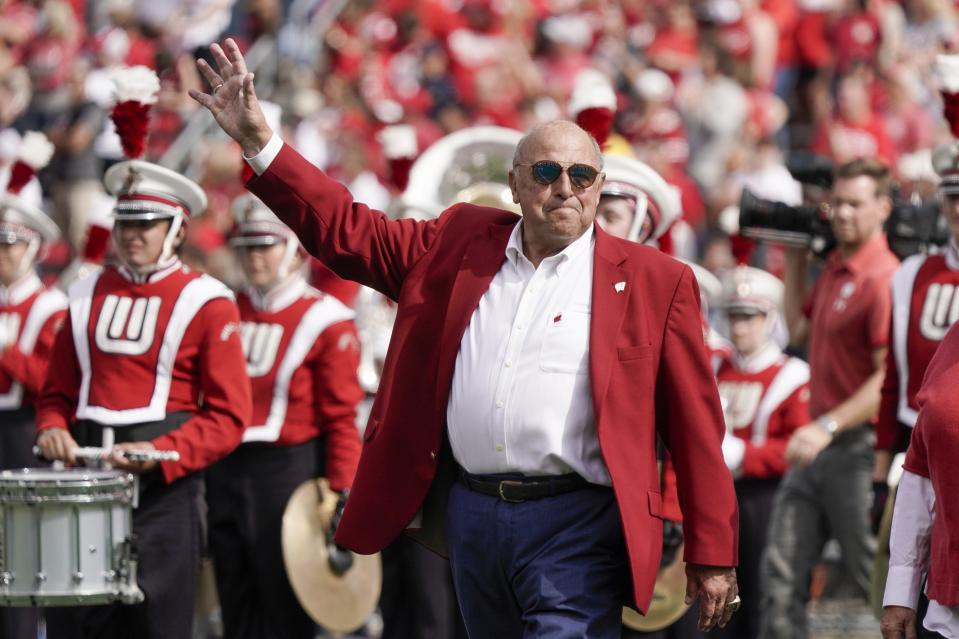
x=827 y=493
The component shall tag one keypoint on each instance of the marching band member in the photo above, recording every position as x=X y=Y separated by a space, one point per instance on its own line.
x=765 y=395
x=30 y=316
x=925 y=303
x=302 y=355
x=151 y=350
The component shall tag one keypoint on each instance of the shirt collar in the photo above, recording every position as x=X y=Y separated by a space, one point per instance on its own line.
x=864 y=258
x=514 y=248
x=153 y=276
x=280 y=296
x=19 y=291
x=760 y=360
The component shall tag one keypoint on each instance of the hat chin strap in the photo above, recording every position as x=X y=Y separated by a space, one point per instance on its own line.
x=289 y=254
x=168 y=254
x=29 y=257
x=639 y=216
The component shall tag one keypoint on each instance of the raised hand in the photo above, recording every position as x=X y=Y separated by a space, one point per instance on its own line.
x=232 y=99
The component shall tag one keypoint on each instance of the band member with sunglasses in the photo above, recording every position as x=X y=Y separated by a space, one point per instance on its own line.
x=532 y=363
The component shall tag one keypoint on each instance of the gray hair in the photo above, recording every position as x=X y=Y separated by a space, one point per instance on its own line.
x=540 y=128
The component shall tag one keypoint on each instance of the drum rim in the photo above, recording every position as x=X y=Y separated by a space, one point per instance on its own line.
x=66 y=486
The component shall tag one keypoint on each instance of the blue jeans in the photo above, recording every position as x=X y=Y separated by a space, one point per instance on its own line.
x=554 y=567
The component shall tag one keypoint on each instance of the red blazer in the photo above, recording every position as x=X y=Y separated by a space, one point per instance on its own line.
x=648 y=366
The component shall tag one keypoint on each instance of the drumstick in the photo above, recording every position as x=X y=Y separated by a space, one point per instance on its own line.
x=97 y=454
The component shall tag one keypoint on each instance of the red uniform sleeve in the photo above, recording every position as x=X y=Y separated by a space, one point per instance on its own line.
x=337 y=391
x=355 y=242
x=226 y=404
x=769 y=459
x=57 y=402
x=31 y=370
x=689 y=418
x=888 y=428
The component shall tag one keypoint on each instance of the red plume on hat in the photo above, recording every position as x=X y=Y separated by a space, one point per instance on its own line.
x=400 y=148
x=593 y=104
x=35 y=153
x=136 y=93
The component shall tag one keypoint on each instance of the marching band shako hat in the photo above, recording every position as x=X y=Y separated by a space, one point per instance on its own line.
x=20 y=220
x=750 y=291
x=657 y=203
x=146 y=191
x=945 y=158
x=593 y=104
x=257 y=225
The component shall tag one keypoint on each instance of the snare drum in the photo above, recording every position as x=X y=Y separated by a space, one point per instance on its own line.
x=66 y=538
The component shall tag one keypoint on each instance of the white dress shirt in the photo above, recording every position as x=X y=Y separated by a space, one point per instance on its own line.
x=520 y=400
x=909 y=554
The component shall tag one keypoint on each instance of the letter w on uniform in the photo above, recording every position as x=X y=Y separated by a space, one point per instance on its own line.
x=127 y=326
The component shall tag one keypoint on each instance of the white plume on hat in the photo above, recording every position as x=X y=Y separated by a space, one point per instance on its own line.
x=591 y=89
x=35 y=150
x=398 y=141
x=946 y=69
x=135 y=84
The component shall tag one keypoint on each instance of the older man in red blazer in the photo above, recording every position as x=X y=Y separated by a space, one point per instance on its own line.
x=532 y=363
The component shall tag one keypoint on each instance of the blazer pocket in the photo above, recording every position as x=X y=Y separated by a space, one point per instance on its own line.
x=655 y=504
x=372 y=426
x=627 y=353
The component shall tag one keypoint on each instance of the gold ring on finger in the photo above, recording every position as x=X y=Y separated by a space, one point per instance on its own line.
x=734 y=605
x=217 y=88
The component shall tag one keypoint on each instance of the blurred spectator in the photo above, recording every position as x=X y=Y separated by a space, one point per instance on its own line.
x=855 y=130
x=76 y=169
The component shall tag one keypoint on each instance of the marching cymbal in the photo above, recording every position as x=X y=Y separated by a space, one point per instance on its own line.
x=339 y=603
x=669 y=599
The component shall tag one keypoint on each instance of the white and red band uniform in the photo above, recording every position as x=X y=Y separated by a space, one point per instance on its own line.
x=766 y=398
x=31 y=315
x=925 y=303
x=765 y=395
x=302 y=355
x=135 y=351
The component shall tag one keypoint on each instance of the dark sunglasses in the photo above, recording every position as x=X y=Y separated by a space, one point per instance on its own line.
x=581 y=176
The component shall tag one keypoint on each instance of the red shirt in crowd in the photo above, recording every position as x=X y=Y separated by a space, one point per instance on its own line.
x=849 y=311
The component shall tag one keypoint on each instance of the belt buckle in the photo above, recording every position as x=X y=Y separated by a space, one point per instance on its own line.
x=509 y=482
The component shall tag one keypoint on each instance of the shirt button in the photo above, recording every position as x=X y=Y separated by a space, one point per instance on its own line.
x=499 y=404
x=499 y=448
x=508 y=363
x=519 y=327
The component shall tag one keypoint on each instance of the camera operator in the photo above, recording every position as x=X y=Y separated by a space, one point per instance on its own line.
x=925 y=303
x=845 y=317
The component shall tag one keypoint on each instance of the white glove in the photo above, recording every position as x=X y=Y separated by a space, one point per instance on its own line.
x=734 y=450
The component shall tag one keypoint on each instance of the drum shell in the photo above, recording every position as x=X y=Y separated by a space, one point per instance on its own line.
x=63 y=536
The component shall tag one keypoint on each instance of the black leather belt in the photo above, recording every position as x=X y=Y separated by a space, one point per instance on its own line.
x=517 y=488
